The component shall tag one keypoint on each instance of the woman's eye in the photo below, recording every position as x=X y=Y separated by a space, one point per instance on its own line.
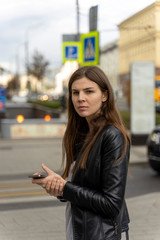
x=75 y=93
x=89 y=91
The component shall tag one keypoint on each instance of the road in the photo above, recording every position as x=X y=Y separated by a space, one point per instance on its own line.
x=142 y=180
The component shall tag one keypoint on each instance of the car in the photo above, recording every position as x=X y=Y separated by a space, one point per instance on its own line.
x=153 y=149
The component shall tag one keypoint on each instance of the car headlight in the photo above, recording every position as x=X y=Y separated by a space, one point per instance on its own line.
x=155 y=137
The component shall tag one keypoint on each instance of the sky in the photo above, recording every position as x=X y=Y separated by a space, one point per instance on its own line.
x=41 y=23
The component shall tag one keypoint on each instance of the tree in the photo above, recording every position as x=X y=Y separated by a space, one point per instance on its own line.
x=38 y=66
x=1 y=70
x=13 y=86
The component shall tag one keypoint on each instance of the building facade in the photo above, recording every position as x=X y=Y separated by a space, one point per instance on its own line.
x=109 y=62
x=139 y=41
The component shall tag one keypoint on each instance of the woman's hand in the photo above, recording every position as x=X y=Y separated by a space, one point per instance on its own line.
x=53 y=183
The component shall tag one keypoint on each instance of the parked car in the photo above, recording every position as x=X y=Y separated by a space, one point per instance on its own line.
x=153 y=149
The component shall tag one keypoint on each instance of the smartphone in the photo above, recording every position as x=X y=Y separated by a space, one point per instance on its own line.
x=37 y=176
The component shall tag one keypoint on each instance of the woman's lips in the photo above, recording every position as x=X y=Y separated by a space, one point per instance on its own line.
x=82 y=107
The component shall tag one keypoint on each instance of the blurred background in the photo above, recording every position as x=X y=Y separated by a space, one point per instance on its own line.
x=33 y=67
x=32 y=33
x=41 y=44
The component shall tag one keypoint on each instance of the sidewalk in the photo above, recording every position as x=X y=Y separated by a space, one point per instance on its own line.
x=144 y=214
x=42 y=217
x=48 y=223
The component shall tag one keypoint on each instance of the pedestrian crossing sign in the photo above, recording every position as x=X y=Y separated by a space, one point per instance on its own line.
x=90 y=48
x=71 y=51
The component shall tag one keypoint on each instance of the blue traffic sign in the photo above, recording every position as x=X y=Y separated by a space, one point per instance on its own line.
x=89 y=49
x=71 y=52
x=2 y=99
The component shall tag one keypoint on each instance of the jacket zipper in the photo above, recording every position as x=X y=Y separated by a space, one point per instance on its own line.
x=115 y=227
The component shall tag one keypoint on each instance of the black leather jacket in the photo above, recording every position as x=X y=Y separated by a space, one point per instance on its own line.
x=97 y=193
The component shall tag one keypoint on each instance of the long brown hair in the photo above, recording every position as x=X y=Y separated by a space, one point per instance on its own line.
x=77 y=127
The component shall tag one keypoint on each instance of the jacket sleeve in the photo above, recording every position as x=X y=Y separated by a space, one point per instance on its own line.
x=108 y=200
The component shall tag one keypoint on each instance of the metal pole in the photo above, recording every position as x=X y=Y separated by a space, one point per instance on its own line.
x=27 y=57
x=27 y=53
x=17 y=72
x=17 y=68
x=77 y=7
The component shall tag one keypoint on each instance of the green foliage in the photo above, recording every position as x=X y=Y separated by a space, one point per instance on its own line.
x=49 y=104
x=126 y=118
x=157 y=118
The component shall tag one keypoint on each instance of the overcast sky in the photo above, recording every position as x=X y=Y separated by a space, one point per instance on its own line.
x=43 y=22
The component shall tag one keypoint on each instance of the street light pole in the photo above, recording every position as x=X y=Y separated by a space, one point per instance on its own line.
x=27 y=60
x=17 y=74
x=27 y=53
x=77 y=8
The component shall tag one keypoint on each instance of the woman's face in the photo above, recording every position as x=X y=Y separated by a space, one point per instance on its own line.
x=87 y=97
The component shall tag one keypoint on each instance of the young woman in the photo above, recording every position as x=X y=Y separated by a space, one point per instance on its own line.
x=96 y=148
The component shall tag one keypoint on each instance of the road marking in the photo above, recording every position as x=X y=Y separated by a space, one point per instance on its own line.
x=23 y=194
x=20 y=190
x=16 y=185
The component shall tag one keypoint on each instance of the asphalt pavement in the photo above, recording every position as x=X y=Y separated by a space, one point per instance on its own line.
x=27 y=212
